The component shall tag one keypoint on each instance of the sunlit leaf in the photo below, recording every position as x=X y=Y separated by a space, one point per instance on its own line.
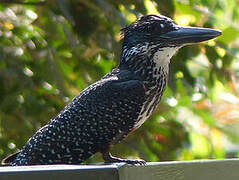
x=230 y=34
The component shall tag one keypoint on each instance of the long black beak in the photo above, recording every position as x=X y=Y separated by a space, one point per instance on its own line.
x=186 y=35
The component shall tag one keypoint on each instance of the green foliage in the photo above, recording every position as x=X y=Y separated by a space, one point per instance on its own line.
x=51 y=50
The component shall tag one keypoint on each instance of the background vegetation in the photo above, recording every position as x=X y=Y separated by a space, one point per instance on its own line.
x=51 y=50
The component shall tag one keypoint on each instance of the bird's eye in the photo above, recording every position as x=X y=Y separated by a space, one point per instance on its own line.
x=162 y=25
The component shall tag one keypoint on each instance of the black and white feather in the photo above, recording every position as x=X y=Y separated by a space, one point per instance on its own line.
x=107 y=111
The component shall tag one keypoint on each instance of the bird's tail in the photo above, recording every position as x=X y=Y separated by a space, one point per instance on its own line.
x=9 y=159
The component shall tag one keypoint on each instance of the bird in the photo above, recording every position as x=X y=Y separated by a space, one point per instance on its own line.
x=107 y=111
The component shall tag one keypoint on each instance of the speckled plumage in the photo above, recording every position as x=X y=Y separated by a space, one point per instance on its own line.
x=91 y=122
x=107 y=111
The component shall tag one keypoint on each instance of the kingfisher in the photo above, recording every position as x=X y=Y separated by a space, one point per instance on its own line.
x=104 y=113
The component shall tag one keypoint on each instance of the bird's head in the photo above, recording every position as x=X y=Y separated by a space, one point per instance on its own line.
x=158 y=37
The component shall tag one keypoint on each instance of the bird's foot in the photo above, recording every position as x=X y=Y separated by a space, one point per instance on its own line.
x=111 y=159
x=128 y=161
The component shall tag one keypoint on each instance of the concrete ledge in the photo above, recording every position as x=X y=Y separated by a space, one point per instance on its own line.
x=175 y=170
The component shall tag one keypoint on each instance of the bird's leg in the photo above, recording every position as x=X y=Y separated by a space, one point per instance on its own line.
x=108 y=158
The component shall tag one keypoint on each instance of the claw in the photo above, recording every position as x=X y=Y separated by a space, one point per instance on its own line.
x=111 y=159
x=135 y=162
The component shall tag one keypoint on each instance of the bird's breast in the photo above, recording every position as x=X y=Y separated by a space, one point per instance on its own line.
x=155 y=86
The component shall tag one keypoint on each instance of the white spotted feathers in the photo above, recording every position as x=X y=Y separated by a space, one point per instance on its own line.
x=107 y=111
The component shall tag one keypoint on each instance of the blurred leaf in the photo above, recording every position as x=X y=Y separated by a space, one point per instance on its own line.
x=229 y=35
x=201 y=147
x=211 y=55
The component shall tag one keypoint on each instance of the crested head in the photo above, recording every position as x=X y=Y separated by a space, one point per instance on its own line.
x=156 y=38
x=158 y=29
x=147 y=29
x=143 y=39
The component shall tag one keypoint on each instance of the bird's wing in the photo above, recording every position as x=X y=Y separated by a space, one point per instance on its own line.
x=114 y=106
x=102 y=114
x=117 y=100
